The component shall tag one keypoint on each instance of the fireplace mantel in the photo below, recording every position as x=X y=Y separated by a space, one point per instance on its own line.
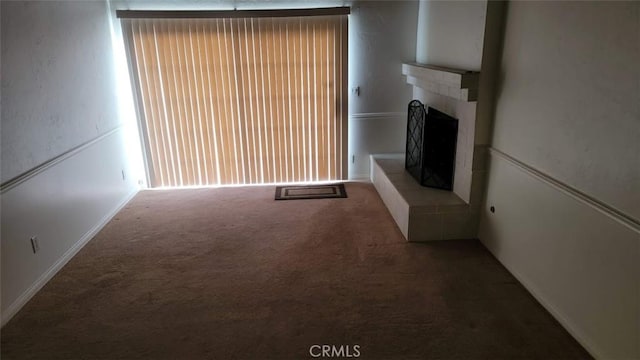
x=457 y=84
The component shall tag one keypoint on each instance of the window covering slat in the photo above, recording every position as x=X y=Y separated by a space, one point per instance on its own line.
x=240 y=101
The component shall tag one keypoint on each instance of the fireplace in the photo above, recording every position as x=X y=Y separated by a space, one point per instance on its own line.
x=431 y=146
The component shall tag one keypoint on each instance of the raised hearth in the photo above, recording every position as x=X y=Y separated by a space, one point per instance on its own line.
x=421 y=213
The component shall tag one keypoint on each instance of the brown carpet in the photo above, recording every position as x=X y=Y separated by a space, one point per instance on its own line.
x=232 y=274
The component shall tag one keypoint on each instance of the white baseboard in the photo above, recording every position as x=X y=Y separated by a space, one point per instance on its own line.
x=22 y=300
x=360 y=177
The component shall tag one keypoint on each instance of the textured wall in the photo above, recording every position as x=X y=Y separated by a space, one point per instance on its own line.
x=382 y=37
x=58 y=92
x=450 y=33
x=582 y=265
x=569 y=100
x=64 y=206
x=57 y=80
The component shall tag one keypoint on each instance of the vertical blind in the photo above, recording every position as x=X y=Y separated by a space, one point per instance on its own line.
x=240 y=100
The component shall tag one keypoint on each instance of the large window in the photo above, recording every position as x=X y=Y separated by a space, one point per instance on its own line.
x=240 y=100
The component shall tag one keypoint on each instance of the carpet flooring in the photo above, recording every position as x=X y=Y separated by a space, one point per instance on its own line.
x=232 y=274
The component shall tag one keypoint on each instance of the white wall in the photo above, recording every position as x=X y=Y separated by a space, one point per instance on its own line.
x=565 y=176
x=65 y=205
x=580 y=263
x=382 y=36
x=55 y=79
x=374 y=133
x=450 y=33
x=570 y=101
x=63 y=131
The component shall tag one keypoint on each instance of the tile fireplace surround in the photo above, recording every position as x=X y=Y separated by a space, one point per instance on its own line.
x=422 y=213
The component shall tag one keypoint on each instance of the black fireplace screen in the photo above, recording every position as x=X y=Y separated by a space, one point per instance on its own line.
x=431 y=146
x=415 y=128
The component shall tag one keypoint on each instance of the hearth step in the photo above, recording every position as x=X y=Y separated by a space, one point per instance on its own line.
x=421 y=213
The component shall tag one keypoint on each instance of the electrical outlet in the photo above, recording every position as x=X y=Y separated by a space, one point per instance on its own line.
x=35 y=246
